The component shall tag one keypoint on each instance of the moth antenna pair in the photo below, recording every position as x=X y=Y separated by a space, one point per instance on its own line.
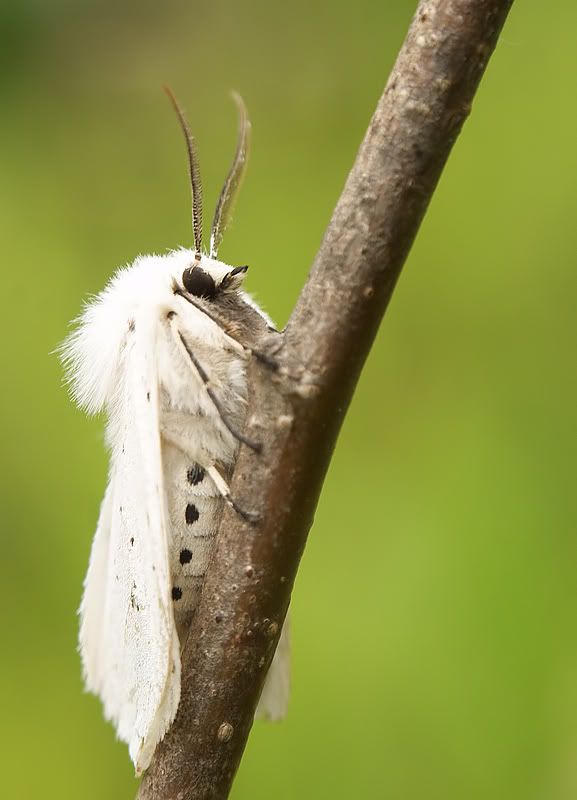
x=232 y=182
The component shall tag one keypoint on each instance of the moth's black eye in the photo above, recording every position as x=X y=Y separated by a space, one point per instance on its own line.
x=199 y=283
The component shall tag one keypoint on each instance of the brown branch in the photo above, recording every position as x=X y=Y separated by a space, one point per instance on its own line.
x=297 y=412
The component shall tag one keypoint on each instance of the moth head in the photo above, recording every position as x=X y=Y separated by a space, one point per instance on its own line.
x=208 y=278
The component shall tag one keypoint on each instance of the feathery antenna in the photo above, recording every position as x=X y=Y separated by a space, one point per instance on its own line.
x=233 y=179
x=195 y=182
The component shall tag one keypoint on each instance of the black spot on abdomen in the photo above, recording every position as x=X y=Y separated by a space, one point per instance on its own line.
x=185 y=556
x=176 y=592
x=191 y=514
x=195 y=474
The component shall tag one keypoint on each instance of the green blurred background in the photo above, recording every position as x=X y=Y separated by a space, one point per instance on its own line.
x=435 y=613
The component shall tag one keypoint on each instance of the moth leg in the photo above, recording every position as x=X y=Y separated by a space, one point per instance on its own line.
x=263 y=358
x=202 y=374
x=224 y=491
x=268 y=361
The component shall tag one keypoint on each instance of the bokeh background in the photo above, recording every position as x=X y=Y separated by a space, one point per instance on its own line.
x=435 y=613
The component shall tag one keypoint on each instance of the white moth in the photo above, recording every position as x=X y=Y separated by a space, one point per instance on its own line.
x=163 y=351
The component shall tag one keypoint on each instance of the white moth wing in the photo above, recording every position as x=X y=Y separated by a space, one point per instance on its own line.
x=274 y=698
x=131 y=657
x=91 y=608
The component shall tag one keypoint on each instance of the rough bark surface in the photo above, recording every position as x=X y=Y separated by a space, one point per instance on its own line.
x=296 y=411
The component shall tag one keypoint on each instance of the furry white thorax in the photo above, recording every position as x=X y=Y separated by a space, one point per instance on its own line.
x=135 y=354
x=92 y=354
